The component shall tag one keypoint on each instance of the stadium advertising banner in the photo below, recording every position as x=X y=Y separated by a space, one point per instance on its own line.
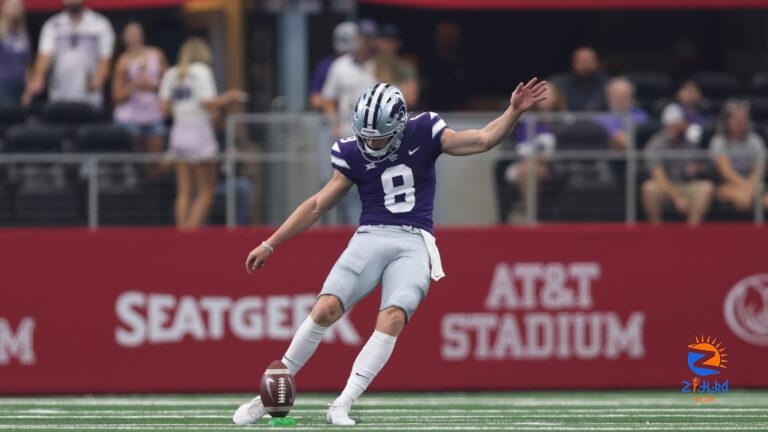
x=55 y=5
x=571 y=4
x=134 y=310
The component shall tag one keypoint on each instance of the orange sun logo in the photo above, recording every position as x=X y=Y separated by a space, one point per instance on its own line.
x=706 y=356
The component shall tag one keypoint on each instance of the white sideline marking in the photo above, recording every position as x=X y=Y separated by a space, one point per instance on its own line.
x=399 y=427
x=368 y=414
x=373 y=401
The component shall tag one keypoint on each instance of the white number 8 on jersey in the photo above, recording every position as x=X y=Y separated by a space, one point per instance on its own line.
x=391 y=191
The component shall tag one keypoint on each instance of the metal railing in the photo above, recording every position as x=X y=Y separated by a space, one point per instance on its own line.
x=284 y=158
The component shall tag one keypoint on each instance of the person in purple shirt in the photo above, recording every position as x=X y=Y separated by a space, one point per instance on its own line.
x=391 y=158
x=620 y=96
x=690 y=99
x=344 y=36
x=14 y=51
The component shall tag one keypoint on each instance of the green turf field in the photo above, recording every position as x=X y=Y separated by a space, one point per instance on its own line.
x=551 y=411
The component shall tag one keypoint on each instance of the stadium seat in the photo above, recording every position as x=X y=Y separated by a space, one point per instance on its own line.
x=43 y=193
x=650 y=85
x=71 y=113
x=645 y=131
x=102 y=138
x=506 y=193
x=658 y=106
x=10 y=115
x=581 y=135
x=35 y=138
x=758 y=107
x=717 y=85
x=577 y=201
x=709 y=130
x=6 y=208
x=759 y=84
x=121 y=198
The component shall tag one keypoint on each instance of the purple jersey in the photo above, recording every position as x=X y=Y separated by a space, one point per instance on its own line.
x=400 y=190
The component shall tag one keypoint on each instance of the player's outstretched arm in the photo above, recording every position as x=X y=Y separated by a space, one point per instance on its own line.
x=472 y=141
x=302 y=218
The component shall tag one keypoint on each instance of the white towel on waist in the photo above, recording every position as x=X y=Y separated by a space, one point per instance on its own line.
x=434 y=255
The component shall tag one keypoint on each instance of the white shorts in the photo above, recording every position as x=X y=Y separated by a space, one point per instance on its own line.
x=193 y=142
x=397 y=256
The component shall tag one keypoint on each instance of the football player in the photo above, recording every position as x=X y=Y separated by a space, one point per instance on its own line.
x=391 y=158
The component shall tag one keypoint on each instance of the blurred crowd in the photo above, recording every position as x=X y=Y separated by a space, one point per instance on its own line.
x=644 y=112
x=73 y=64
x=674 y=180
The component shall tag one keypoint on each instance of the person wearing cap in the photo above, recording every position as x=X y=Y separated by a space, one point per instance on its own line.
x=344 y=35
x=393 y=68
x=735 y=150
x=348 y=76
x=673 y=179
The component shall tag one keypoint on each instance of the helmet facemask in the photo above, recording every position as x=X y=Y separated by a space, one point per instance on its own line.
x=373 y=155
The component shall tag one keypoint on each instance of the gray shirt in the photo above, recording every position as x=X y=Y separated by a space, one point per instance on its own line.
x=660 y=145
x=742 y=153
x=346 y=80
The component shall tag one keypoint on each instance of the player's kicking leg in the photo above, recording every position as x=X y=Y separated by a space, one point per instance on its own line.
x=405 y=282
x=369 y=362
x=326 y=311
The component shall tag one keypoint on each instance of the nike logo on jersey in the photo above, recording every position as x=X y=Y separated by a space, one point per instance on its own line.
x=410 y=152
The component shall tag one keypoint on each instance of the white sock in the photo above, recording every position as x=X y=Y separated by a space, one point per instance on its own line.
x=304 y=343
x=369 y=362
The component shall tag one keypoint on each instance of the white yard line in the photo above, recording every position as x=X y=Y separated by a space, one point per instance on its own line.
x=400 y=427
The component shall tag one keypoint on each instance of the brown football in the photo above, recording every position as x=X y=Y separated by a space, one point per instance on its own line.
x=278 y=389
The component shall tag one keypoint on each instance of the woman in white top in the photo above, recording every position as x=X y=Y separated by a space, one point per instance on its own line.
x=735 y=150
x=188 y=91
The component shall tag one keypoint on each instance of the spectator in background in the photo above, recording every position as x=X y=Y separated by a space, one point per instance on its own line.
x=14 y=51
x=445 y=75
x=188 y=90
x=347 y=77
x=689 y=98
x=344 y=39
x=392 y=68
x=77 y=43
x=671 y=179
x=735 y=150
x=620 y=95
x=535 y=147
x=135 y=86
x=583 y=86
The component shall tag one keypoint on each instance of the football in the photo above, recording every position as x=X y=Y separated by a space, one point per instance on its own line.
x=278 y=389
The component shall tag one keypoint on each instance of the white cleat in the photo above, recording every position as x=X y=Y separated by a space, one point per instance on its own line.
x=338 y=415
x=249 y=412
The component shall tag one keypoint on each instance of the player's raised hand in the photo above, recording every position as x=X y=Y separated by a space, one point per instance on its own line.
x=257 y=258
x=527 y=95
